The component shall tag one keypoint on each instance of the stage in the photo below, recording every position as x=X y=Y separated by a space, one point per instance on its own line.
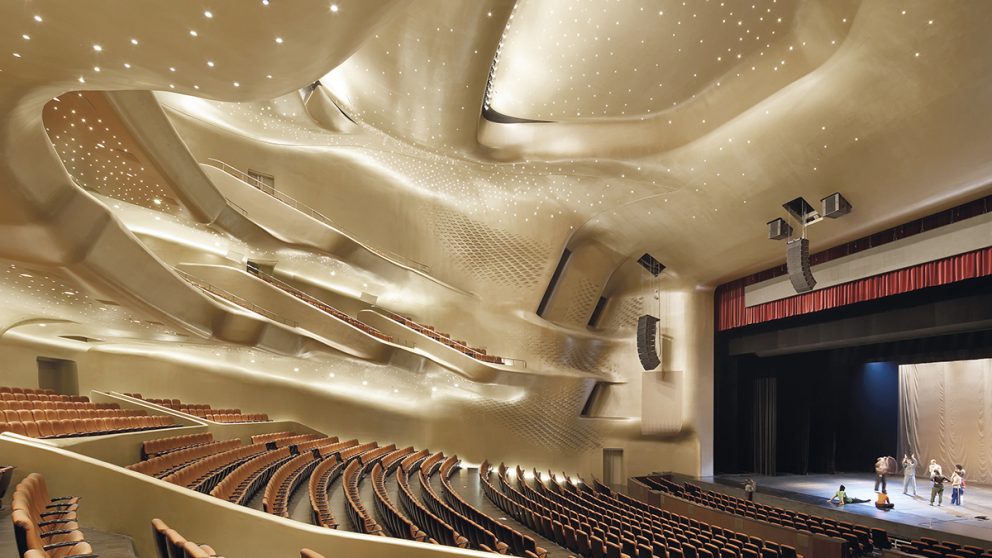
x=909 y=519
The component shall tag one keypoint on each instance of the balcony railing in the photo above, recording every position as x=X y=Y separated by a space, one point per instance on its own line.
x=312 y=213
x=233 y=298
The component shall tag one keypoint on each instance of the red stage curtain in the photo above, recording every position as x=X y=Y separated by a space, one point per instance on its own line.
x=732 y=313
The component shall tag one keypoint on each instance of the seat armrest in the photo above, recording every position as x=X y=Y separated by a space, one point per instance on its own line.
x=60 y=498
x=47 y=534
x=54 y=522
x=61 y=544
x=82 y=556
x=50 y=506
x=46 y=514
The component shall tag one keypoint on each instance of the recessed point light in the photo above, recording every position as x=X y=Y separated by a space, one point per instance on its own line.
x=99 y=48
x=208 y=14
x=17 y=55
x=278 y=40
x=38 y=18
x=210 y=63
x=26 y=37
x=134 y=41
x=193 y=33
x=236 y=84
x=334 y=8
x=126 y=65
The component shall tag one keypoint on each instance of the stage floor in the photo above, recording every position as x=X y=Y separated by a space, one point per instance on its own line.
x=912 y=511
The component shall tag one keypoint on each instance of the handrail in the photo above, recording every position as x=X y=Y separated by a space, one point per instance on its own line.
x=311 y=212
x=231 y=297
x=319 y=304
x=447 y=340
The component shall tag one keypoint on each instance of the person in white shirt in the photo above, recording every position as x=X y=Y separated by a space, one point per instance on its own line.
x=957 y=485
x=934 y=467
x=909 y=464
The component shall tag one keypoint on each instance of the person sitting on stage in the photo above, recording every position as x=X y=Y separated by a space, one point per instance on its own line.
x=881 y=468
x=842 y=497
x=883 y=502
x=937 y=491
x=909 y=464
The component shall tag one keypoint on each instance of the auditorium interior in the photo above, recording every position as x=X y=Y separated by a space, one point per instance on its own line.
x=540 y=278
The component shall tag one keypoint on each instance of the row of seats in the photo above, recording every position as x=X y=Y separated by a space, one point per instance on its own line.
x=45 y=526
x=862 y=539
x=33 y=404
x=478 y=536
x=170 y=462
x=329 y=470
x=319 y=304
x=932 y=548
x=396 y=522
x=595 y=523
x=436 y=527
x=456 y=344
x=56 y=398
x=170 y=544
x=203 y=410
x=241 y=484
x=69 y=428
x=25 y=415
x=361 y=519
x=203 y=474
x=519 y=543
x=17 y=389
x=162 y=446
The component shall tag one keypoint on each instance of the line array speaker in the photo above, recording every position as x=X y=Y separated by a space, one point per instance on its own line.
x=797 y=263
x=647 y=331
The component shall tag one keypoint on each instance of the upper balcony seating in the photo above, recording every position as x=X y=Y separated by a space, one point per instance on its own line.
x=204 y=411
x=447 y=339
x=46 y=526
x=171 y=544
x=319 y=304
x=46 y=415
x=862 y=539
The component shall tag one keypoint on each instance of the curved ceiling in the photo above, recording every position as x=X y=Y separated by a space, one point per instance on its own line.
x=592 y=59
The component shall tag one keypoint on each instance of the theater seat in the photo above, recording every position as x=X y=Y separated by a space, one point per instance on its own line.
x=307 y=553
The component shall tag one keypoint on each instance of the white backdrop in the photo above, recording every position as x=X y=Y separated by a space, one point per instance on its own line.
x=945 y=413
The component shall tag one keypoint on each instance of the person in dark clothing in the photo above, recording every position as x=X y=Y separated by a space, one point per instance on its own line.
x=937 y=491
x=881 y=469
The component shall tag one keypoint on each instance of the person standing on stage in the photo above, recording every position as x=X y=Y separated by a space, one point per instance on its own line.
x=881 y=468
x=909 y=464
x=934 y=467
x=957 y=482
x=937 y=491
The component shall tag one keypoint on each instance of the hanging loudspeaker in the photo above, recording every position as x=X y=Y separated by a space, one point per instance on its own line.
x=797 y=263
x=647 y=329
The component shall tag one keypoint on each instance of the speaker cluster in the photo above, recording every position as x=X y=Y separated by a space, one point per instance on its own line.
x=797 y=249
